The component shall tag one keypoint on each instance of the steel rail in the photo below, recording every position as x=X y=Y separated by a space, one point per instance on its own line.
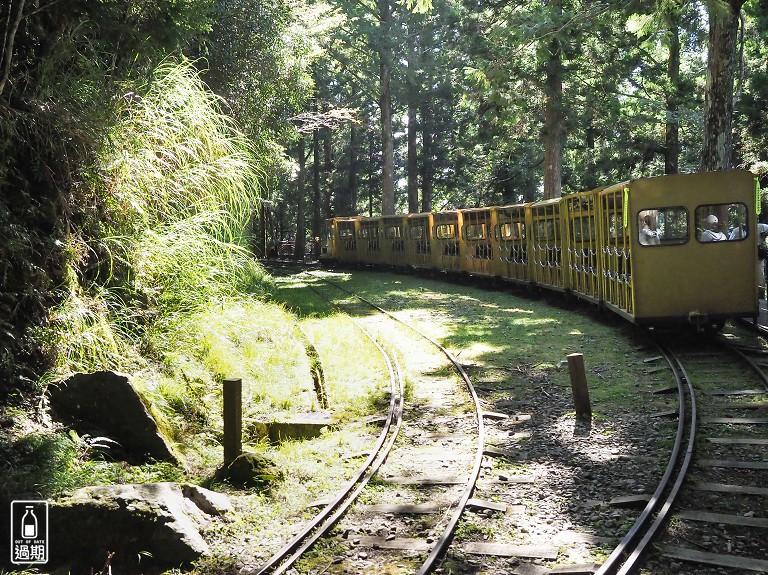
x=284 y=558
x=640 y=536
x=751 y=362
x=442 y=544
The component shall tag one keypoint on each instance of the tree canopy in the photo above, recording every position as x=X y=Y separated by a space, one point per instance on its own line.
x=128 y=124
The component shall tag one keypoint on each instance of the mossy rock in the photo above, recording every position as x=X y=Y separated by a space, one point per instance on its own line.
x=251 y=470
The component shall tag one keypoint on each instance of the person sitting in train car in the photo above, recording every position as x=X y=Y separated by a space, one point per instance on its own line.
x=648 y=236
x=710 y=233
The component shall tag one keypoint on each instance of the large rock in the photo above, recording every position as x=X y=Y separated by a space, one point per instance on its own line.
x=105 y=403
x=250 y=470
x=148 y=527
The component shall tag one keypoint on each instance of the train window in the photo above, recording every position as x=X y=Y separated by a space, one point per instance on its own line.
x=445 y=231
x=512 y=231
x=416 y=232
x=474 y=232
x=544 y=230
x=584 y=229
x=662 y=226
x=721 y=222
x=392 y=232
x=369 y=232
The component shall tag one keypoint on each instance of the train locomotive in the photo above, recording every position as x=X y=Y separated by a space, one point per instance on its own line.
x=658 y=250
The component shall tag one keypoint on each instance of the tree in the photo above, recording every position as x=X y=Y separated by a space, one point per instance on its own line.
x=717 y=148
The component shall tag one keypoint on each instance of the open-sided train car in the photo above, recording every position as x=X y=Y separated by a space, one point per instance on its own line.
x=653 y=250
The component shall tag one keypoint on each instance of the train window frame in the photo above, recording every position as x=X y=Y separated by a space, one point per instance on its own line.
x=442 y=233
x=393 y=232
x=511 y=228
x=417 y=232
x=660 y=216
x=577 y=229
x=471 y=232
x=728 y=231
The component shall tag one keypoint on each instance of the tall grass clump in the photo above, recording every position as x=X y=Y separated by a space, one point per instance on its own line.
x=172 y=193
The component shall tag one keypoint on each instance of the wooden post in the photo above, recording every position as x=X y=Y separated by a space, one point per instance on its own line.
x=233 y=419
x=579 y=386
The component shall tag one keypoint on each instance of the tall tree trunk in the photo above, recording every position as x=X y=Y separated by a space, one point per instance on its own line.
x=385 y=104
x=350 y=201
x=316 y=198
x=554 y=129
x=413 y=165
x=672 y=138
x=328 y=170
x=717 y=147
x=371 y=172
x=301 y=226
x=427 y=161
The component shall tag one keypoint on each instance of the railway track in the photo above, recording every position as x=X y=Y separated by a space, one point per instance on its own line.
x=443 y=497
x=500 y=497
x=704 y=506
x=719 y=520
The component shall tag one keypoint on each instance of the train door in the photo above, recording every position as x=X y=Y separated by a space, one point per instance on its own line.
x=616 y=287
x=393 y=244
x=418 y=243
x=546 y=247
x=582 y=259
x=476 y=229
x=445 y=241
x=512 y=244
x=369 y=238
x=346 y=240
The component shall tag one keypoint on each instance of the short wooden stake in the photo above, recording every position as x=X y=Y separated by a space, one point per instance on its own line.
x=579 y=386
x=233 y=419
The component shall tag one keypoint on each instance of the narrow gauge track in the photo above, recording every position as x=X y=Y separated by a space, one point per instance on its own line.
x=712 y=506
x=719 y=517
x=329 y=516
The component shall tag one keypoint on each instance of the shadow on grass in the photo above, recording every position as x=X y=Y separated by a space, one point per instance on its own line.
x=513 y=346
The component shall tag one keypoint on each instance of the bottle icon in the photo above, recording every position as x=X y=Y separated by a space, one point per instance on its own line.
x=29 y=524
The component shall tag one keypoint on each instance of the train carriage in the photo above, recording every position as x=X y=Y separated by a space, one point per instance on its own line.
x=446 y=252
x=582 y=254
x=344 y=240
x=703 y=263
x=616 y=281
x=369 y=241
x=546 y=247
x=476 y=241
x=418 y=241
x=511 y=243
x=393 y=241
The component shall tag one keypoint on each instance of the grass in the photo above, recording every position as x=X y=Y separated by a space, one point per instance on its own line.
x=495 y=328
x=512 y=342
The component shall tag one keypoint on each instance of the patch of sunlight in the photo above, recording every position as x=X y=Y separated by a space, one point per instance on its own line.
x=478 y=349
x=575 y=332
x=517 y=310
x=524 y=321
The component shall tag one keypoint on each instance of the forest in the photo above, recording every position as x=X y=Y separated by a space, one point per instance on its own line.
x=151 y=150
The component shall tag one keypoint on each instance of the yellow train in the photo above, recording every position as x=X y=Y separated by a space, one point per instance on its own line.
x=653 y=250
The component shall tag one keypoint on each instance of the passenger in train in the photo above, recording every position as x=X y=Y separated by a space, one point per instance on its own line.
x=648 y=235
x=762 y=256
x=710 y=232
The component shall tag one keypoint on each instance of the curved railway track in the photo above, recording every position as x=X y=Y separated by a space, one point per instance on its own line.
x=706 y=515
x=343 y=502
x=719 y=521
